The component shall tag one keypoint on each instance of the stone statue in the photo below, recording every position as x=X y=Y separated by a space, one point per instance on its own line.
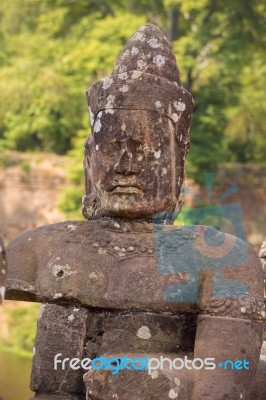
x=110 y=286
x=3 y=270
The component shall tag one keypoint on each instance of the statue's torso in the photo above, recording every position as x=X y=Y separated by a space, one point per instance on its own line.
x=106 y=264
x=119 y=265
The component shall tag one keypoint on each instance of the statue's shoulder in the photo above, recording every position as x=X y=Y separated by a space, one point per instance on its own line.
x=229 y=272
x=213 y=242
x=205 y=247
x=26 y=252
x=51 y=233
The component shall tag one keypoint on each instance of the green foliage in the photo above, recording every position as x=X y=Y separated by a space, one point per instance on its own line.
x=25 y=167
x=70 y=202
x=21 y=324
x=4 y=160
x=48 y=65
x=246 y=127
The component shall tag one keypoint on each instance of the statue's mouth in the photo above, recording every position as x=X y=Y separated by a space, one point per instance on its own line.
x=129 y=186
x=129 y=189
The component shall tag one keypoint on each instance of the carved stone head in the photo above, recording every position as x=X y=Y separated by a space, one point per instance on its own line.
x=140 y=116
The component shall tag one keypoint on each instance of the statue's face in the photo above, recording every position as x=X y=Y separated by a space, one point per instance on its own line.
x=131 y=163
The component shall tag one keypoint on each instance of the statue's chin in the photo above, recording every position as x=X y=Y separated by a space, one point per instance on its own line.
x=127 y=205
x=134 y=212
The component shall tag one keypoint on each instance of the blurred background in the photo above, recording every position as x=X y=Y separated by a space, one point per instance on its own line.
x=52 y=50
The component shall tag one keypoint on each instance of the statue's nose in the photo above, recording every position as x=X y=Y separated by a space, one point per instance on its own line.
x=126 y=165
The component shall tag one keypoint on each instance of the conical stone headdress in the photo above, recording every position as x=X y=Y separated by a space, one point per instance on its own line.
x=146 y=77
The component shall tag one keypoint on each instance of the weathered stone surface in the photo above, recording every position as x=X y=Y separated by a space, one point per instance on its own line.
x=91 y=264
x=147 y=332
x=226 y=339
x=113 y=264
x=95 y=332
x=3 y=270
x=258 y=391
x=61 y=329
x=140 y=120
x=136 y=385
x=151 y=46
x=143 y=284
x=262 y=253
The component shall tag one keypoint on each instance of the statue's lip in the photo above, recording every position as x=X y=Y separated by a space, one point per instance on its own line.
x=126 y=188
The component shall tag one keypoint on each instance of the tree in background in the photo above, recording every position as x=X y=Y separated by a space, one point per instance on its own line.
x=53 y=50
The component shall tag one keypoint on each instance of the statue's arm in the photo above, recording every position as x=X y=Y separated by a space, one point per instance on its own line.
x=22 y=267
x=230 y=329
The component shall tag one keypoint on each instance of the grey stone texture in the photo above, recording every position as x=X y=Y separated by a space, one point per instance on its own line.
x=122 y=283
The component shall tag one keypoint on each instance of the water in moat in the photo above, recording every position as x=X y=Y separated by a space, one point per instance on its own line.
x=14 y=377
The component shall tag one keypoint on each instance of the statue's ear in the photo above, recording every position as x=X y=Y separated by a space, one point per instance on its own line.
x=182 y=147
x=87 y=164
x=89 y=200
x=180 y=172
